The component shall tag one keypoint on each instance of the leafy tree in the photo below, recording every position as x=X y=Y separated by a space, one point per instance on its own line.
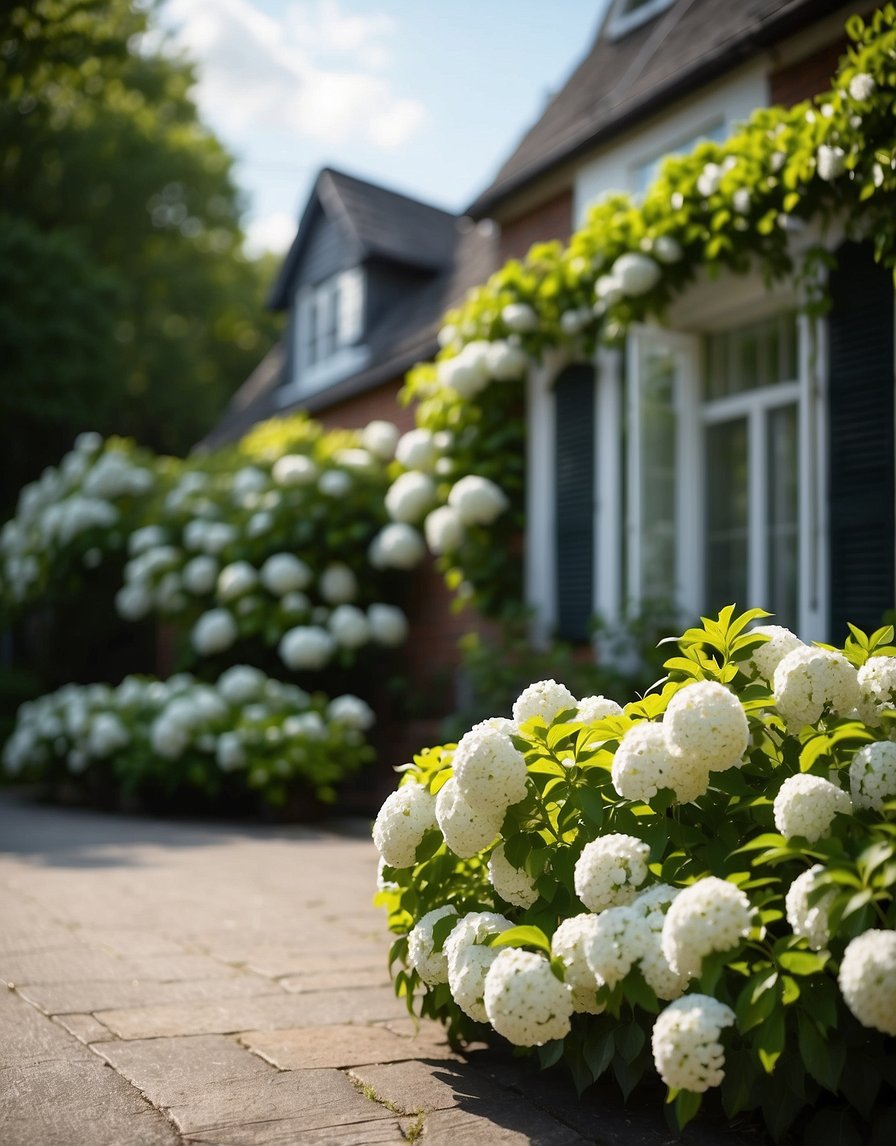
x=129 y=305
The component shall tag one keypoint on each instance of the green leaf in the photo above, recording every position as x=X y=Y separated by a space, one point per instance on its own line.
x=686 y=1107
x=757 y=999
x=769 y=1040
x=630 y=1040
x=803 y=962
x=550 y=1053
x=524 y=936
x=824 y=1059
x=598 y=1050
x=442 y=928
x=592 y=805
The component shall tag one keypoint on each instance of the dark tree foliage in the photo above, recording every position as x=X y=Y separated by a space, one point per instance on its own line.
x=126 y=303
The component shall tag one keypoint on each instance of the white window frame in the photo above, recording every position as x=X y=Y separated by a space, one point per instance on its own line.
x=337 y=351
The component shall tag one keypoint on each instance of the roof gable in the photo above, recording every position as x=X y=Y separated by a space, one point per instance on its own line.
x=375 y=223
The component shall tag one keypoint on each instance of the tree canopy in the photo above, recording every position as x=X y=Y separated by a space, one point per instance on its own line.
x=128 y=303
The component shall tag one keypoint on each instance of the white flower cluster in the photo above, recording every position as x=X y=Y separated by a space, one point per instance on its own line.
x=806 y=805
x=616 y=943
x=401 y=823
x=709 y=915
x=524 y=1000
x=490 y=772
x=87 y=499
x=766 y=658
x=430 y=965
x=590 y=709
x=513 y=884
x=877 y=682
x=247 y=721
x=704 y=730
x=872 y=775
x=469 y=959
x=686 y=1048
x=809 y=921
x=868 y=979
x=570 y=943
x=466 y=830
x=809 y=682
x=543 y=700
x=610 y=870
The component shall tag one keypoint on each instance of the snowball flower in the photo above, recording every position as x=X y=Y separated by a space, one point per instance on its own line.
x=444 y=529
x=709 y=179
x=573 y=322
x=569 y=944
x=338 y=584
x=830 y=162
x=149 y=537
x=489 y=771
x=417 y=450
x=609 y=870
x=653 y=904
x=544 y=700
x=710 y=915
x=294 y=469
x=410 y=496
x=506 y=363
x=351 y=712
x=667 y=249
x=284 y=573
x=306 y=647
x=214 y=632
x=477 y=500
x=685 y=1042
x=107 y=733
x=466 y=830
x=350 y=627
x=868 y=979
x=766 y=658
x=396 y=546
x=380 y=438
x=200 y=574
x=741 y=200
x=872 y=775
x=806 y=805
x=229 y=752
x=469 y=961
x=511 y=883
x=877 y=682
x=520 y=318
x=861 y=87
x=236 y=579
x=616 y=943
x=388 y=625
x=132 y=602
x=707 y=723
x=643 y=764
x=406 y=816
x=808 y=681
x=334 y=483
x=524 y=1000
x=809 y=922
x=430 y=965
x=241 y=684
x=636 y=273
x=467 y=373
x=590 y=709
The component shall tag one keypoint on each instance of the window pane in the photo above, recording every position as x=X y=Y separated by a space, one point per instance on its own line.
x=782 y=525
x=761 y=354
x=658 y=476
x=727 y=517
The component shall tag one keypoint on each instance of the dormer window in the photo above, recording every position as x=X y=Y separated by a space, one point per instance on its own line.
x=626 y=15
x=328 y=325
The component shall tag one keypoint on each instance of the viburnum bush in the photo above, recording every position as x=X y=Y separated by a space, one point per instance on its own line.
x=699 y=884
x=151 y=738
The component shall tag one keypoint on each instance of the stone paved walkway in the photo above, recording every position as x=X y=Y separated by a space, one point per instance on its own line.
x=174 y=982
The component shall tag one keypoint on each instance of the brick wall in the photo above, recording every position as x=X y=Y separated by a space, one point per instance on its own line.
x=354 y=413
x=806 y=77
x=550 y=220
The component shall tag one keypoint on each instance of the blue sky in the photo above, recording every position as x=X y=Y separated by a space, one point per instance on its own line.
x=425 y=97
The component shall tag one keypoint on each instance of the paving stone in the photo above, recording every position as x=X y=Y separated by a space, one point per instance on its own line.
x=416 y=1086
x=272 y=1012
x=85 y=1027
x=131 y=941
x=277 y=1107
x=30 y=1037
x=498 y=1124
x=71 y=964
x=80 y=1103
x=328 y=980
x=177 y=1071
x=64 y=998
x=283 y=1132
x=334 y=1046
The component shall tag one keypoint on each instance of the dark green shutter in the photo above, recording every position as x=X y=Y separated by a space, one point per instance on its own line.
x=574 y=490
x=861 y=441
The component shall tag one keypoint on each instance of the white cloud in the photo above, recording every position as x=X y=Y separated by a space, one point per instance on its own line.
x=271 y=233
x=315 y=73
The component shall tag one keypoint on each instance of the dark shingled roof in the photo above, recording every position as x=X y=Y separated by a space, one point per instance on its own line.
x=406 y=335
x=620 y=82
x=382 y=224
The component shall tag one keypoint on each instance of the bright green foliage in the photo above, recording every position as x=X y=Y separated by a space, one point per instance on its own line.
x=821 y=168
x=795 y=1044
x=104 y=163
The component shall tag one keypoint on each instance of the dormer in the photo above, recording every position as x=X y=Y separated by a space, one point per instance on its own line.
x=361 y=251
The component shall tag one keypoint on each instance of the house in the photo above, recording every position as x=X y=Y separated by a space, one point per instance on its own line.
x=742 y=451
x=364 y=287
